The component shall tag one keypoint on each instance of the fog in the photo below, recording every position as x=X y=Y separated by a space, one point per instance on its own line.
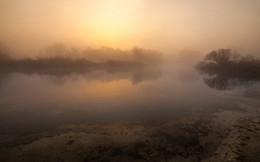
x=129 y=80
x=170 y=26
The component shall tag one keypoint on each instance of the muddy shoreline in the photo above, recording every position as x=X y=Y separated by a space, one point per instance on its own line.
x=220 y=136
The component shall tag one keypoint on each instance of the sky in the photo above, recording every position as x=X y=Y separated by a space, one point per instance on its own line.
x=165 y=25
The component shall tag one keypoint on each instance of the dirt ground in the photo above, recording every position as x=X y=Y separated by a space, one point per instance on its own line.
x=220 y=136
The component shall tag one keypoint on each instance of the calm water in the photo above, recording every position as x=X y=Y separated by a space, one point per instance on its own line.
x=34 y=102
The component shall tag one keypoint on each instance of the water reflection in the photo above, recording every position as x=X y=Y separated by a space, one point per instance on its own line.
x=222 y=82
x=61 y=76
x=229 y=81
x=36 y=99
x=128 y=111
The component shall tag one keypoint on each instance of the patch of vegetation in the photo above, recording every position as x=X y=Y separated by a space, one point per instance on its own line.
x=227 y=69
x=227 y=61
x=59 y=56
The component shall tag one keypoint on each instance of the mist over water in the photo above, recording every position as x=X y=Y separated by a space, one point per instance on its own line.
x=135 y=103
x=132 y=80
x=137 y=94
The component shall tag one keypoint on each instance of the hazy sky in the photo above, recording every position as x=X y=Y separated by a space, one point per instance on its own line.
x=166 y=25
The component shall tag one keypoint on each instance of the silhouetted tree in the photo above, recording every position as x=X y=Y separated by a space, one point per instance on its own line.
x=227 y=60
x=138 y=53
x=230 y=69
x=56 y=49
x=146 y=56
x=222 y=56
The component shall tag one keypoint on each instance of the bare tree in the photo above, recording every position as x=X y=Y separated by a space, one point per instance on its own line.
x=223 y=56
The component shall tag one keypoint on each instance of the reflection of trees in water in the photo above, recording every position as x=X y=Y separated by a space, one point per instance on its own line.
x=230 y=69
x=135 y=75
x=146 y=75
x=229 y=81
x=217 y=82
x=62 y=76
x=58 y=80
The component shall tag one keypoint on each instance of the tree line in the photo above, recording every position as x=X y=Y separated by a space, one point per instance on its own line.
x=58 y=55
x=230 y=61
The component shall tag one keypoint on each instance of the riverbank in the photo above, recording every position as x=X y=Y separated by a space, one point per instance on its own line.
x=219 y=136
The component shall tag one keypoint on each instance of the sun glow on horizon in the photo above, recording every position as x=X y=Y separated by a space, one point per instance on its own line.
x=162 y=25
x=112 y=22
